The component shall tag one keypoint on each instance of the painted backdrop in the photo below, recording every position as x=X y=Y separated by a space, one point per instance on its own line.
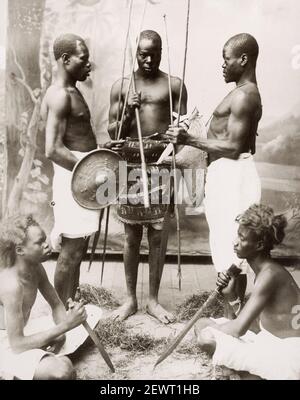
x=34 y=24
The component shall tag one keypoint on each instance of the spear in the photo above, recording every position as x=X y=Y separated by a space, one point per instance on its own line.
x=173 y=159
x=176 y=208
x=116 y=133
x=138 y=121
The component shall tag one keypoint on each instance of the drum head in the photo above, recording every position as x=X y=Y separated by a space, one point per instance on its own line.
x=95 y=180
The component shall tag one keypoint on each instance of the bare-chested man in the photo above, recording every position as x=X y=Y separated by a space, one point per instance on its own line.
x=152 y=100
x=23 y=247
x=274 y=353
x=69 y=136
x=232 y=182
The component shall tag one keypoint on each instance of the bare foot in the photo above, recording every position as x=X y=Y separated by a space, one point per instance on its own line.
x=127 y=309
x=158 y=312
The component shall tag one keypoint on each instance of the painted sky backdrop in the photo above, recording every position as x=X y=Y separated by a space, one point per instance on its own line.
x=273 y=22
x=3 y=23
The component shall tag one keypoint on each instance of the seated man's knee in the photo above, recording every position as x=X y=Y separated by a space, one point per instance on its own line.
x=206 y=340
x=56 y=368
x=64 y=369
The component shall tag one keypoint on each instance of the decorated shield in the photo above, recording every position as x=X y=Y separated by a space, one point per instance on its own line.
x=96 y=179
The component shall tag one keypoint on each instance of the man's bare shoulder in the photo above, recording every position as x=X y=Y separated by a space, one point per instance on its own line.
x=245 y=99
x=273 y=274
x=41 y=273
x=121 y=82
x=57 y=98
x=176 y=83
x=10 y=285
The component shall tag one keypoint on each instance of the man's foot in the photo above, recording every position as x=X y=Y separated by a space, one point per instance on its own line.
x=126 y=310
x=158 y=312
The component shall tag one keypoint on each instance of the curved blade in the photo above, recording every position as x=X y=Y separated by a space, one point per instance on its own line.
x=232 y=271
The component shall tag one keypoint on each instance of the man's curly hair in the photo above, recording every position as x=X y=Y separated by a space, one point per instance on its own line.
x=267 y=226
x=13 y=233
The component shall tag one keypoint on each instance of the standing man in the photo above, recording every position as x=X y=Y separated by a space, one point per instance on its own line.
x=152 y=100
x=69 y=136
x=232 y=182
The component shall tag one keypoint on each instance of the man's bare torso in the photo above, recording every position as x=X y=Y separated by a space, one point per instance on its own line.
x=277 y=317
x=155 y=104
x=78 y=135
x=29 y=284
x=218 y=126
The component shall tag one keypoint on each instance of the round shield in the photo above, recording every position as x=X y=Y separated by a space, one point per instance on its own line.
x=95 y=180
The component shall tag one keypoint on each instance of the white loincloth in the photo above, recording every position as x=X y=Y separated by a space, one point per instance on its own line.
x=24 y=365
x=262 y=354
x=70 y=219
x=231 y=187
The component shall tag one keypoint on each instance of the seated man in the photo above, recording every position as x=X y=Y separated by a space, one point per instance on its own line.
x=273 y=353
x=22 y=249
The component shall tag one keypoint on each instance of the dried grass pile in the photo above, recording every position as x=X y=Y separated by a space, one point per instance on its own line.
x=114 y=333
x=98 y=296
x=186 y=310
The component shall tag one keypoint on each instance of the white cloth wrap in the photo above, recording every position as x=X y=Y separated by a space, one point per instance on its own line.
x=24 y=365
x=262 y=354
x=231 y=187
x=70 y=219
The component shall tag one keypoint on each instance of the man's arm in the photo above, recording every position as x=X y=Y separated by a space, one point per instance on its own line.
x=237 y=130
x=50 y=295
x=12 y=301
x=258 y=300
x=176 y=93
x=59 y=108
x=133 y=101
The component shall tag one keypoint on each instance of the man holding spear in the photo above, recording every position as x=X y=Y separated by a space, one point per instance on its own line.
x=232 y=182
x=151 y=98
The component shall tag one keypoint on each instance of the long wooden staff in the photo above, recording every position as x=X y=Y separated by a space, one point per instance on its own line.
x=138 y=121
x=184 y=62
x=233 y=271
x=116 y=133
x=105 y=243
x=176 y=209
x=96 y=239
x=123 y=67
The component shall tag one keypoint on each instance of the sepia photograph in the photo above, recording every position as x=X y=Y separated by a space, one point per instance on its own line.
x=149 y=192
